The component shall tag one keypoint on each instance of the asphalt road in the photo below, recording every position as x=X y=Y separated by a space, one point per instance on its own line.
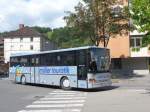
x=14 y=97
x=127 y=95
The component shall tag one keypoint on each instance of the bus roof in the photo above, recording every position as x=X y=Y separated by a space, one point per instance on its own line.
x=53 y=51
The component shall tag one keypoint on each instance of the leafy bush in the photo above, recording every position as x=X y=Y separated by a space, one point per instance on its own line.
x=135 y=49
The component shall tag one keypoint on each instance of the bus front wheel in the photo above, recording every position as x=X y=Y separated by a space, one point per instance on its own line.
x=65 y=83
x=23 y=80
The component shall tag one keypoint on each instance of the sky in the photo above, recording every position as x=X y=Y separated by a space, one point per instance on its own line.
x=44 y=13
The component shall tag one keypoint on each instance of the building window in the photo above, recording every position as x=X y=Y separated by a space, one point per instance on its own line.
x=31 y=39
x=21 y=39
x=131 y=42
x=135 y=42
x=31 y=47
x=138 y=42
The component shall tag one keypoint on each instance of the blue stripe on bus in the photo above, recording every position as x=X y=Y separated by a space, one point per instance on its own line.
x=58 y=70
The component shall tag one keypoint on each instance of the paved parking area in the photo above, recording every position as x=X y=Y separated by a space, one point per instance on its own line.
x=126 y=95
x=119 y=100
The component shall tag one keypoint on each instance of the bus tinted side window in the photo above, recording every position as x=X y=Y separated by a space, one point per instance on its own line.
x=65 y=58
x=88 y=59
x=81 y=57
x=50 y=59
x=42 y=60
x=47 y=59
x=58 y=59
x=24 y=61
x=37 y=60
x=14 y=61
x=32 y=60
x=69 y=58
x=19 y=61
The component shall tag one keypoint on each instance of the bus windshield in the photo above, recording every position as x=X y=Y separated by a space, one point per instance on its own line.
x=100 y=60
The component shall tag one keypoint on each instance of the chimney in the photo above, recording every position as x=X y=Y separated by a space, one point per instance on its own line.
x=21 y=26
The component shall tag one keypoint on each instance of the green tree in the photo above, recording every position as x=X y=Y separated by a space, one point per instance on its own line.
x=98 y=20
x=140 y=14
x=67 y=37
x=42 y=30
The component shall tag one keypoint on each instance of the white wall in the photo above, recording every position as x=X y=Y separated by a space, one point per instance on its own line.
x=16 y=45
x=143 y=52
x=135 y=32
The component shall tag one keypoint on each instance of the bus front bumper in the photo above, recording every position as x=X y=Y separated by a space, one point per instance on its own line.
x=99 y=84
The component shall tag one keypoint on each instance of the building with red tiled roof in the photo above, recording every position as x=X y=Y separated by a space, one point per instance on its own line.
x=25 y=40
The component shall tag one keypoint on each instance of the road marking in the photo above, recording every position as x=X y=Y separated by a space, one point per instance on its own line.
x=65 y=101
x=40 y=111
x=141 y=90
x=66 y=95
x=61 y=98
x=58 y=101
x=75 y=110
x=54 y=106
x=69 y=110
x=62 y=93
x=137 y=90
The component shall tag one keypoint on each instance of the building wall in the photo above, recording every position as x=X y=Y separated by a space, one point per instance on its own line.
x=136 y=43
x=131 y=66
x=19 y=45
x=134 y=59
x=143 y=52
x=119 y=47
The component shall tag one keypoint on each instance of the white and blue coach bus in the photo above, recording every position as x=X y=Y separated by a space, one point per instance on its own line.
x=82 y=67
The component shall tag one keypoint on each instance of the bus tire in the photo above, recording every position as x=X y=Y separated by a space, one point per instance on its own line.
x=65 y=83
x=23 y=80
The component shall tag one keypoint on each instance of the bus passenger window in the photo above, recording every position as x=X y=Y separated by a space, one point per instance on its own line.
x=23 y=61
x=58 y=58
x=37 y=61
x=32 y=61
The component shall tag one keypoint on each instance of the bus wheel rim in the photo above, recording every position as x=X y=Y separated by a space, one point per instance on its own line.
x=66 y=83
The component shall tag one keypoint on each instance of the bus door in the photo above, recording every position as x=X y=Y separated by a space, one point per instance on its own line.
x=34 y=69
x=82 y=70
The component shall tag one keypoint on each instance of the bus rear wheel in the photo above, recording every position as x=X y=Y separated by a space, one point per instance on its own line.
x=23 y=80
x=65 y=83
